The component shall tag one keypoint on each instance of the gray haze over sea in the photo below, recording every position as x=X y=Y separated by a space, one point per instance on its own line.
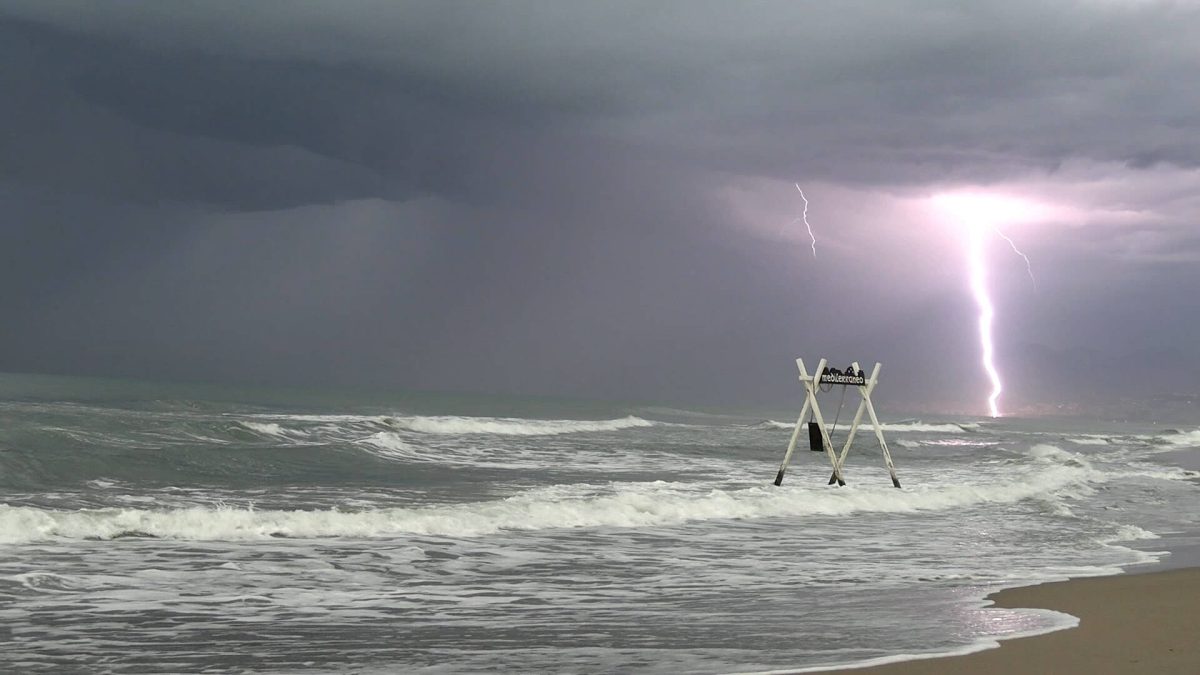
x=173 y=528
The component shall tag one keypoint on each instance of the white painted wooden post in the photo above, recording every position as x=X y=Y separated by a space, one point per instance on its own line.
x=812 y=383
x=864 y=392
x=887 y=456
x=808 y=400
x=787 y=457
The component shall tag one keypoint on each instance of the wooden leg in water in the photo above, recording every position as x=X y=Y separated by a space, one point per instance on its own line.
x=864 y=392
x=887 y=456
x=792 y=444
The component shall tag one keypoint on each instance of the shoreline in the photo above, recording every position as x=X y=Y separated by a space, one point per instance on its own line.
x=1135 y=620
x=1127 y=623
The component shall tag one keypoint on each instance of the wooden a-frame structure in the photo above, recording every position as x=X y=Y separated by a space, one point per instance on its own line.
x=811 y=385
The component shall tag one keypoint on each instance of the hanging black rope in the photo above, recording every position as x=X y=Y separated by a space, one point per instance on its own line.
x=839 y=412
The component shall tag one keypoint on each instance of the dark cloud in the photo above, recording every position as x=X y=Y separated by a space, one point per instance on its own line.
x=592 y=199
x=939 y=87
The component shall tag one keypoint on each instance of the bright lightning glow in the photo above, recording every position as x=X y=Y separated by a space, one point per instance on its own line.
x=987 y=312
x=804 y=217
x=979 y=213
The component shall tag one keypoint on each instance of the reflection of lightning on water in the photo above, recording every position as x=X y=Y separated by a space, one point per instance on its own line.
x=804 y=217
x=1028 y=265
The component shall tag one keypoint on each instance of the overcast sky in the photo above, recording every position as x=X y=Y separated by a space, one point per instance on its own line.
x=598 y=199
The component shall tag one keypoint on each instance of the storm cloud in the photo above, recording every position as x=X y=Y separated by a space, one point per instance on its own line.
x=597 y=199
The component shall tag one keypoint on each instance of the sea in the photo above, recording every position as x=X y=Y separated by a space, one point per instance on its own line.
x=149 y=528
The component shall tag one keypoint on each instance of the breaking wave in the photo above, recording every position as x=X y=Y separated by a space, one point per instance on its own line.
x=511 y=426
x=897 y=427
x=445 y=425
x=266 y=428
x=1183 y=438
x=617 y=505
x=1091 y=440
x=585 y=457
x=947 y=428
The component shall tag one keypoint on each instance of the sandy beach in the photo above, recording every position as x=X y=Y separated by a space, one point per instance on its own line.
x=1130 y=623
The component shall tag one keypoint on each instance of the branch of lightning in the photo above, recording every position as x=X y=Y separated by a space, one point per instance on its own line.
x=977 y=266
x=804 y=218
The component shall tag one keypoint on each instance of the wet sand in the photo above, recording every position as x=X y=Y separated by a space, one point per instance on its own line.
x=1128 y=624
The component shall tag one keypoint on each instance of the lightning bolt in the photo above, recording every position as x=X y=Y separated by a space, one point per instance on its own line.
x=804 y=217
x=987 y=312
x=980 y=215
x=1028 y=265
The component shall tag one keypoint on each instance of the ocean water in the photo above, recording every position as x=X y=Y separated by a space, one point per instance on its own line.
x=155 y=528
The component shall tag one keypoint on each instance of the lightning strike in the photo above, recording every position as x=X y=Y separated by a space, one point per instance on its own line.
x=987 y=313
x=978 y=214
x=804 y=217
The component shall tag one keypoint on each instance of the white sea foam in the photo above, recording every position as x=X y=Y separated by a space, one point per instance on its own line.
x=1183 y=438
x=959 y=443
x=390 y=445
x=947 y=428
x=896 y=427
x=569 y=506
x=492 y=452
x=511 y=426
x=268 y=428
x=1045 y=451
x=1130 y=533
x=1090 y=440
x=1051 y=620
x=447 y=424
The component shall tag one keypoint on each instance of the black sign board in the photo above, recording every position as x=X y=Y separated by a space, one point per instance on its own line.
x=835 y=376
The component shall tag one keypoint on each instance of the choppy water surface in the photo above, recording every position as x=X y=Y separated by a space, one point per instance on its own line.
x=180 y=533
